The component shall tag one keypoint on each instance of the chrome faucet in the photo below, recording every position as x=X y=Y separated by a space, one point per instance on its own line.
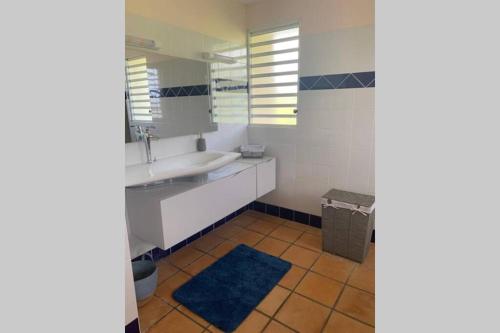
x=145 y=136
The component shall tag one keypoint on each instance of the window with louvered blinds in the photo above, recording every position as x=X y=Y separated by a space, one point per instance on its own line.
x=140 y=82
x=273 y=76
x=229 y=87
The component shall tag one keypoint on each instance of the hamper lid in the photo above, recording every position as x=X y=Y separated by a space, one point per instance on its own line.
x=350 y=197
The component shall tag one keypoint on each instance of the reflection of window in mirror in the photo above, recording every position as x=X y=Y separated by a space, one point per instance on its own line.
x=229 y=87
x=142 y=85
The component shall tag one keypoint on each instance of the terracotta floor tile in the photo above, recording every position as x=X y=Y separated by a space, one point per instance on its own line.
x=271 y=303
x=286 y=234
x=254 y=213
x=255 y=322
x=295 y=225
x=227 y=231
x=165 y=270
x=310 y=241
x=166 y=289
x=272 y=219
x=292 y=277
x=193 y=316
x=274 y=247
x=262 y=227
x=319 y=288
x=363 y=278
x=214 y=329
x=314 y=230
x=223 y=249
x=207 y=242
x=357 y=304
x=338 y=323
x=302 y=314
x=333 y=266
x=247 y=237
x=300 y=256
x=243 y=220
x=184 y=256
x=152 y=312
x=369 y=261
x=276 y=327
x=199 y=265
x=175 y=322
x=302 y=227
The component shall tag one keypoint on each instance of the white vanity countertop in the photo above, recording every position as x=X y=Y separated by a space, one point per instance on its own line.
x=177 y=166
x=255 y=161
x=171 y=187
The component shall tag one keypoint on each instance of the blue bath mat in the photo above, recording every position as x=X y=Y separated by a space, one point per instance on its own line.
x=226 y=292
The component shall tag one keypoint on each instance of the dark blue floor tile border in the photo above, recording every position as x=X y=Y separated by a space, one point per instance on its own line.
x=159 y=253
x=285 y=213
x=294 y=215
x=133 y=326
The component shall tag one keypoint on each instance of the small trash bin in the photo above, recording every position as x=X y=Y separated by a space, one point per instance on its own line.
x=145 y=279
x=347 y=223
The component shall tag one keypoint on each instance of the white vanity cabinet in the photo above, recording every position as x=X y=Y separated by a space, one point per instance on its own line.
x=167 y=213
x=266 y=177
x=191 y=211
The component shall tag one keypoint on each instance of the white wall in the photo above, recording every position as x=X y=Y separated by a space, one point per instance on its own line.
x=333 y=143
x=223 y=19
x=130 y=302
x=186 y=28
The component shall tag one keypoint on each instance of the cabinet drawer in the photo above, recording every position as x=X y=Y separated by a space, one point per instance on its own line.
x=187 y=213
x=266 y=177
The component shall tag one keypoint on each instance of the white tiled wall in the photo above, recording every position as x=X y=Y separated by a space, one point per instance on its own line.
x=181 y=72
x=345 y=50
x=333 y=143
x=186 y=42
x=173 y=40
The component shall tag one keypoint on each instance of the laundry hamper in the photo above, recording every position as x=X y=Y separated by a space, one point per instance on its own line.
x=347 y=223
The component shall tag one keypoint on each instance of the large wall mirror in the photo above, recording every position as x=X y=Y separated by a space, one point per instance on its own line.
x=167 y=94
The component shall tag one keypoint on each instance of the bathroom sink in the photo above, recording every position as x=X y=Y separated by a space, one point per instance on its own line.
x=177 y=166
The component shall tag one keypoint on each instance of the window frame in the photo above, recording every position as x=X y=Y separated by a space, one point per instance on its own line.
x=130 y=108
x=249 y=64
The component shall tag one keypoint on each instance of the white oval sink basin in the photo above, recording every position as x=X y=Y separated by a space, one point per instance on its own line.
x=177 y=166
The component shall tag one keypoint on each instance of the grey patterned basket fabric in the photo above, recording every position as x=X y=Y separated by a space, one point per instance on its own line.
x=252 y=151
x=347 y=223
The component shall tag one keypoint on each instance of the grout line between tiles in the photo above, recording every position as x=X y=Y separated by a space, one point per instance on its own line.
x=163 y=316
x=185 y=315
x=338 y=298
x=354 y=318
x=292 y=291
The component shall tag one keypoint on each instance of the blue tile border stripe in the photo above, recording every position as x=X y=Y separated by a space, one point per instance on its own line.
x=338 y=81
x=285 y=213
x=315 y=82
x=182 y=91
